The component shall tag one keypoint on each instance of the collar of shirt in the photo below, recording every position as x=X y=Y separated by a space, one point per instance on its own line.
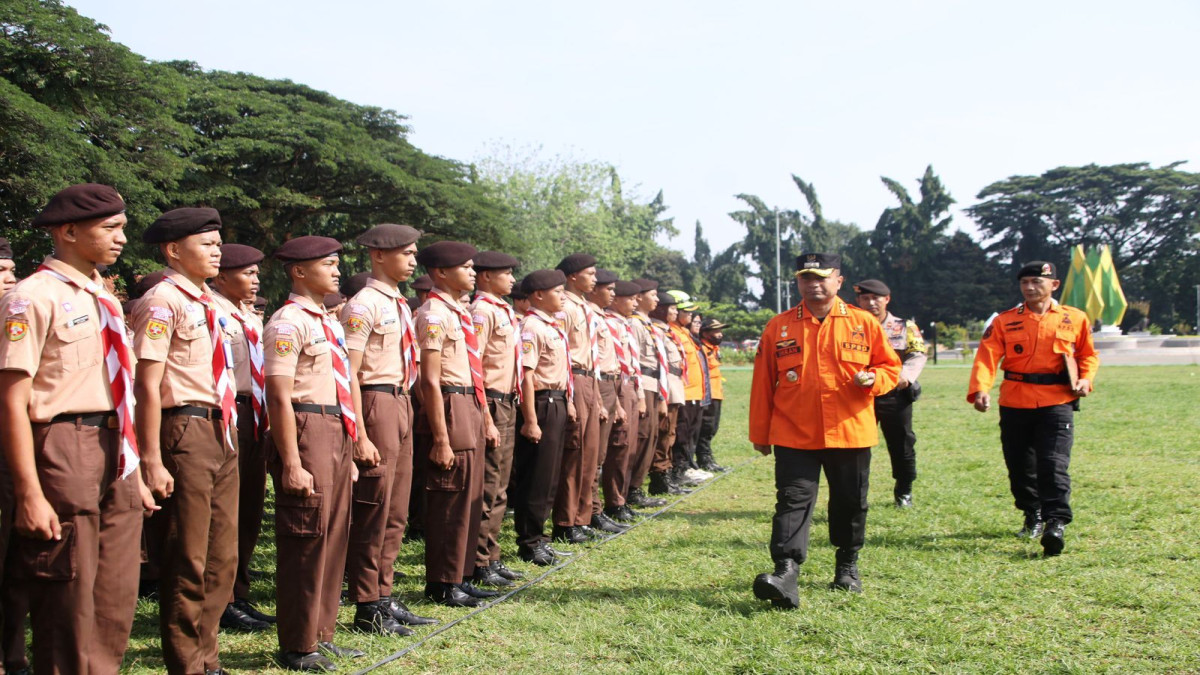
x=838 y=309
x=570 y=297
x=383 y=287
x=72 y=273
x=533 y=311
x=184 y=283
x=449 y=300
x=305 y=302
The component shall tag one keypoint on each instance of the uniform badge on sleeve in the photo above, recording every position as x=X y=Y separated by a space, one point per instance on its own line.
x=284 y=347
x=433 y=331
x=16 y=328
x=356 y=324
x=526 y=347
x=155 y=329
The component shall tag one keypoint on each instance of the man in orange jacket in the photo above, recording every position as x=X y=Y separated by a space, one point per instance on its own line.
x=817 y=372
x=1049 y=362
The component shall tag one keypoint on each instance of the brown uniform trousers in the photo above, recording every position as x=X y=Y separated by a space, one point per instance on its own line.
x=573 y=503
x=371 y=497
x=311 y=533
x=609 y=401
x=647 y=440
x=497 y=469
x=422 y=443
x=618 y=450
x=252 y=493
x=81 y=594
x=14 y=599
x=666 y=439
x=399 y=499
x=536 y=467
x=200 y=547
x=454 y=496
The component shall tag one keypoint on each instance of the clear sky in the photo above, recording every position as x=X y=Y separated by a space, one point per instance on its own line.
x=706 y=100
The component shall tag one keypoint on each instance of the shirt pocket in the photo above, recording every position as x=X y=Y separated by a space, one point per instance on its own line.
x=384 y=337
x=315 y=359
x=789 y=367
x=241 y=351
x=79 y=347
x=195 y=345
x=1064 y=342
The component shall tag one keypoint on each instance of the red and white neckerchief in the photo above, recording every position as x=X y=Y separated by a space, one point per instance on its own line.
x=341 y=366
x=683 y=362
x=593 y=322
x=115 y=342
x=562 y=335
x=618 y=327
x=512 y=321
x=222 y=362
x=473 y=357
x=408 y=343
x=660 y=349
x=258 y=377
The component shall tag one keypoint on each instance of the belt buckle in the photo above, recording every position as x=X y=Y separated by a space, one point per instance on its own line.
x=112 y=422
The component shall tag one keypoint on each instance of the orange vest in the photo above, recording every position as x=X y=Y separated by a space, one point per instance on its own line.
x=693 y=384
x=713 y=354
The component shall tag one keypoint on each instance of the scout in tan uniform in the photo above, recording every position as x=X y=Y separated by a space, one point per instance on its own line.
x=573 y=504
x=13 y=604
x=186 y=410
x=546 y=407
x=608 y=376
x=309 y=455
x=623 y=440
x=382 y=346
x=652 y=361
x=235 y=285
x=422 y=442
x=8 y=268
x=453 y=394
x=74 y=519
x=661 y=481
x=499 y=341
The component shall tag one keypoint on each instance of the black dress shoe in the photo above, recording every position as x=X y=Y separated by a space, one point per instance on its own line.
x=249 y=609
x=659 y=485
x=486 y=576
x=376 y=618
x=904 y=500
x=642 y=500
x=340 y=652
x=538 y=555
x=313 y=662
x=477 y=592
x=557 y=553
x=1052 y=537
x=218 y=671
x=401 y=613
x=568 y=535
x=499 y=568
x=1033 y=526
x=449 y=595
x=710 y=465
x=779 y=586
x=621 y=515
x=590 y=533
x=605 y=524
x=235 y=619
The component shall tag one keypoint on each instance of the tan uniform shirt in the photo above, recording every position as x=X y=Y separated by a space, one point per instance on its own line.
x=543 y=351
x=674 y=363
x=439 y=328
x=579 y=331
x=239 y=342
x=296 y=346
x=647 y=353
x=606 y=351
x=170 y=327
x=372 y=323
x=497 y=334
x=52 y=334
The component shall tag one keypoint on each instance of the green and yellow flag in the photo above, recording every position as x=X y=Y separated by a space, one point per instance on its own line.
x=1095 y=295
x=1110 y=289
x=1074 y=290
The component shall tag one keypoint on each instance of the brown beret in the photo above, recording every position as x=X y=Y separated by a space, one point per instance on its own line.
x=646 y=284
x=666 y=300
x=332 y=300
x=179 y=223
x=355 y=284
x=422 y=283
x=144 y=284
x=6 y=252
x=80 y=202
x=308 y=247
x=495 y=260
x=260 y=303
x=627 y=289
x=518 y=293
x=605 y=277
x=873 y=286
x=576 y=262
x=446 y=254
x=237 y=256
x=542 y=280
x=389 y=235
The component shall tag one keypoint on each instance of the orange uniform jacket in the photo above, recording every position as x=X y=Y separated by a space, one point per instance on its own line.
x=693 y=384
x=803 y=395
x=1032 y=343
x=713 y=354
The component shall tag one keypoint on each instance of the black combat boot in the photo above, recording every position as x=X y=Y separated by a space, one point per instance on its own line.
x=845 y=575
x=779 y=586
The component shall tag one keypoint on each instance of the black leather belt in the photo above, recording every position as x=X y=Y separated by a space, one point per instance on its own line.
x=609 y=377
x=244 y=399
x=1037 y=378
x=675 y=370
x=458 y=390
x=497 y=396
x=650 y=372
x=194 y=411
x=317 y=408
x=550 y=394
x=103 y=420
x=393 y=389
x=585 y=373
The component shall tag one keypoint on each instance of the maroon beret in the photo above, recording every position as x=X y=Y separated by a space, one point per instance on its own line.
x=144 y=284
x=355 y=284
x=237 y=256
x=80 y=202
x=260 y=303
x=495 y=260
x=422 y=283
x=6 y=252
x=179 y=223
x=666 y=300
x=518 y=293
x=627 y=288
x=576 y=262
x=332 y=300
x=605 y=277
x=542 y=280
x=873 y=286
x=389 y=235
x=646 y=285
x=308 y=247
x=446 y=254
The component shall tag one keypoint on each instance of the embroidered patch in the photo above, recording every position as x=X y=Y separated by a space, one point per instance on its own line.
x=285 y=329
x=80 y=319
x=358 y=309
x=355 y=324
x=433 y=319
x=786 y=348
x=68 y=307
x=161 y=313
x=855 y=347
x=284 y=347
x=526 y=347
x=19 y=306
x=155 y=329
x=17 y=329
x=433 y=331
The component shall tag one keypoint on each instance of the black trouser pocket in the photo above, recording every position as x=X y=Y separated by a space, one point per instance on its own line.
x=48 y=560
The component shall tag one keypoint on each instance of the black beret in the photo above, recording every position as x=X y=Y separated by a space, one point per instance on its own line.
x=626 y=289
x=495 y=260
x=237 y=256
x=80 y=202
x=445 y=254
x=389 y=235
x=144 y=284
x=179 y=223
x=1038 y=268
x=604 y=277
x=873 y=286
x=646 y=284
x=666 y=300
x=542 y=280
x=308 y=247
x=354 y=284
x=820 y=264
x=6 y=252
x=709 y=325
x=260 y=302
x=422 y=283
x=332 y=300
x=576 y=262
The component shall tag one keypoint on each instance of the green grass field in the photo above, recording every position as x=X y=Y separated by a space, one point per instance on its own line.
x=948 y=588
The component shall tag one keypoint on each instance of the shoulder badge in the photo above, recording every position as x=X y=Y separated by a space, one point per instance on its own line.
x=17 y=328
x=356 y=323
x=19 y=306
x=156 y=329
x=284 y=346
x=433 y=330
